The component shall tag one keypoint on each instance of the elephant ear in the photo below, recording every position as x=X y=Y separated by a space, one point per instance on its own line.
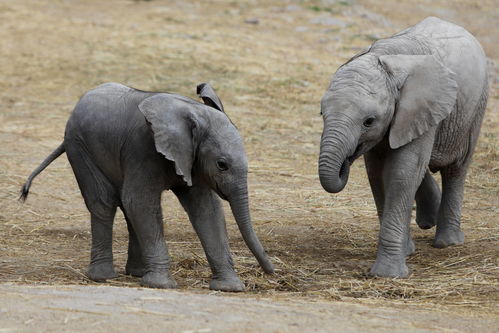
x=176 y=130
x=210 y=98
x=428 y=92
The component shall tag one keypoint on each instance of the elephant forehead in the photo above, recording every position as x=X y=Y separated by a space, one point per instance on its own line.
x=349 y=101
x=226 y=135
x=362 y=75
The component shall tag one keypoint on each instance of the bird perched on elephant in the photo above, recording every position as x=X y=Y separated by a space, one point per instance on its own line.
x=127 y=146
x=411 y=104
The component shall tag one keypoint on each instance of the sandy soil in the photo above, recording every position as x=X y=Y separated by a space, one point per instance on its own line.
x=112 y=309
x=270 y=62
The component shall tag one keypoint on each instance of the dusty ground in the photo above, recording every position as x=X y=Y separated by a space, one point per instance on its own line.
x=114 y=309
x=270 y=76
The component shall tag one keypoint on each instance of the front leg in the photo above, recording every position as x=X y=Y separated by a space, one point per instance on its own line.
x=403 y=171
x=142 y=207
x=207 y=217
x=374 y=166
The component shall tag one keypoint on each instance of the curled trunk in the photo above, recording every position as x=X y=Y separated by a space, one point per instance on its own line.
x=334 y=158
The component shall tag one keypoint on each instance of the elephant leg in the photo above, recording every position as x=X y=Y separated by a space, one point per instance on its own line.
x=449 y=216
x=403 y=172
x=453 y=178
x=394 y=242
x=101 y=200
x=134 y=265
x=427 y=202
x=410 y=247
x=142 y=204
x=374 y=168
x=101 y=255
x=207 y=217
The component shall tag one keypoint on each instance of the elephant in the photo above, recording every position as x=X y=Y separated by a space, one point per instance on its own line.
x=412 y=105
x=126 y=146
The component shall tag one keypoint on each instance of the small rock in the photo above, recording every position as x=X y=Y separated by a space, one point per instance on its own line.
x=293 y=8
x=252 y=20
x=301 y=29
x=326 y=20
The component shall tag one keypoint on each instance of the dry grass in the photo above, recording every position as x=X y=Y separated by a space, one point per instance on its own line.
x=270 y=77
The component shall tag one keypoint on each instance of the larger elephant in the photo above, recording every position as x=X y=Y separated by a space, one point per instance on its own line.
x=127 y=146
x=411 y=104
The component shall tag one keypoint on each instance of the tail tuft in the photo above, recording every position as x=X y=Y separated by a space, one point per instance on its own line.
x=24 y=192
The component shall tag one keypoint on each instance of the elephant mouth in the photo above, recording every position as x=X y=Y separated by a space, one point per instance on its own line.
x=345 y=166
x=220 y=193
x=358 y=151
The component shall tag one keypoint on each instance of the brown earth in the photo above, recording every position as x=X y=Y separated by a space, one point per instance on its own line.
x=270 y=62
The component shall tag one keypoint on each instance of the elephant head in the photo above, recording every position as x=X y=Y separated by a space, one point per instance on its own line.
x=206 y=147
x=371 y=97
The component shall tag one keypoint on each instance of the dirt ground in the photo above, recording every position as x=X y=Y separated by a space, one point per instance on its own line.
x=115 y=309
x=270 y=62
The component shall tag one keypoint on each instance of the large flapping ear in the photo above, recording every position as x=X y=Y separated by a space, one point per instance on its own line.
x=210 y=98
x=176 y=130
x=428 y=93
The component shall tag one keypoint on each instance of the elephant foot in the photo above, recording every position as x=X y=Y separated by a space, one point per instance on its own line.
x=425 y=222
x=389 y=268
x=448 y=237
x=232 y=283
x=411 y=248
x=101 y=272
x=428 y=199
x=161 y=280
x=426 y=215
x=135 y=269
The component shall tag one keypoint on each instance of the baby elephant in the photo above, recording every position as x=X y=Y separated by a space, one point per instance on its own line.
x=411 y=103
x=126 y=146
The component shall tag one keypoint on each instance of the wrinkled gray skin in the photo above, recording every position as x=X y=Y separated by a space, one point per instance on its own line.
x=411 y=103
x=127 y=146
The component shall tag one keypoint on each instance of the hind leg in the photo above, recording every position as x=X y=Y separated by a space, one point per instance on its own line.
x=101 y=255
x=100 y=199
x=134 y=265
x=449 y=216
x=427 y=202
x=453 y=177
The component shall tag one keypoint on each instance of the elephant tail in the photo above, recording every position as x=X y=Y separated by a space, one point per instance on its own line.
x=55 y=154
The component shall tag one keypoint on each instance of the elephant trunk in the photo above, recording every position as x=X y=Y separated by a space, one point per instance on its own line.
x=240 y=209
x=337 y=145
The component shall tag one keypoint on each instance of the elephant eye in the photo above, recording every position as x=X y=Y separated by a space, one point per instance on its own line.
x=222 y=165
x=369 y=121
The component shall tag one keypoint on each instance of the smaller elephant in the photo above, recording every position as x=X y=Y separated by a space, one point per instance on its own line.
x=126 y=147
x=411 y=104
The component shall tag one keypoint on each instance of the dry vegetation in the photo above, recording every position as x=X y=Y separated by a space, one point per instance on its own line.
x=270 y=76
